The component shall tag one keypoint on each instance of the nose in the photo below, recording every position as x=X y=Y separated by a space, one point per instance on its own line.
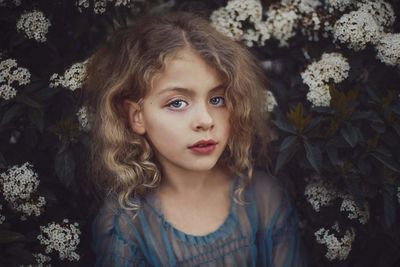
x=203 y=119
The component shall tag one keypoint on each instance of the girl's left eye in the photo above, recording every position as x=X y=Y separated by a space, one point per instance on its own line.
x=218 y=100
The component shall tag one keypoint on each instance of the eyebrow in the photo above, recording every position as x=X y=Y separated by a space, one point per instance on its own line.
x=189 y=91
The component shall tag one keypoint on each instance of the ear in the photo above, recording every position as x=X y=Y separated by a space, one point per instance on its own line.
x=135 y=116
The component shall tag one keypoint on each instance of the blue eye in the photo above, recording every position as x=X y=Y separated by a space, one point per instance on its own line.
x=218 y=100
x=176 y=104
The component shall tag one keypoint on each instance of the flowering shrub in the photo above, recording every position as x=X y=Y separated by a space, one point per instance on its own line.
x=333 y=69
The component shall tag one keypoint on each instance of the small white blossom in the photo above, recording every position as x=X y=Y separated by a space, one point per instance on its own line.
x=381 y=10
x=18 y=186
x=100 y=6
x=72 y=78
x=282 y=21
x=340 y=5
x=2 y=217
x=270 y=101
x=222 y=21
x=83 y=118
x=307 y=6
x=35 y=25
x=41 y=259
x=356 y=29
x=63 y=239
x=337 y=248
x=332 y=67
x=388 y=49
x=350 y=206
x=10 y=76
x=320 y=193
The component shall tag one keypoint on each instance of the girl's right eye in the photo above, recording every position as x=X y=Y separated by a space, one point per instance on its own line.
x=176 y=104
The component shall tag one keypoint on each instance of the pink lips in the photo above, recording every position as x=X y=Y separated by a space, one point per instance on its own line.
x=203 y=146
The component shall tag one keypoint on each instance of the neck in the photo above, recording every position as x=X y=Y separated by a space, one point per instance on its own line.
x=188 y=182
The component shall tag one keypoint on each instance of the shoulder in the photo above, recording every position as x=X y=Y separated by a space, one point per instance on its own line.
x=111 y=218
x=265 y=185
x=269 y=195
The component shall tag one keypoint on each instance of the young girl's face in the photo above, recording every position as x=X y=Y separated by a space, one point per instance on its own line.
x=185 y=105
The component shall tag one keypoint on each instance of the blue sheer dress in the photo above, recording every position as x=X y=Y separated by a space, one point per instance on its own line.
x=263 y=232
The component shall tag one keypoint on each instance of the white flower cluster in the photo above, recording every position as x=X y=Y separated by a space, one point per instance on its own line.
x=35 y=25
x=2 y=217
x=350 y=206
x=63 y=239
x=83 y=118
x=337 y=248
x=388 y=49
x=15 y=2
x=19 y=185
x=307 y=6
x=381 y=10
x=356 y=29
x=11 y=75
x=367 y=25
x=282 y=22
x=270 y=101
x=332 y=67
x=72 y=78
x=230 y=21
x=100 y=6
x=320 y=193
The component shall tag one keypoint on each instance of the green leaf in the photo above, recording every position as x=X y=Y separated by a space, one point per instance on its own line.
x=11 y=113
x=313 y=154
x=387 y=161
x=350 y=134
x=285 y=155
x=7 y=236
x=395 y=108
x=64 y=165
x=284 y=126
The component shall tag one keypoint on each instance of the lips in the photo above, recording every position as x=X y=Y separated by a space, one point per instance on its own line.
x=203 y=143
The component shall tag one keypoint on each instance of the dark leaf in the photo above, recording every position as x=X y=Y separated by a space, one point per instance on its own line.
x=22 y=98
x=284 y=126
x=350 y=134
x=284 y=156
x=389 y=205
x=10 y=114
x=378 y=127
x=387 y=161
x=313 y=154
x=64 y=165
x=37 y=118
x=333 y=154
x=288 y=142
x=364 y=165
x=7 y=236
x=313 y=123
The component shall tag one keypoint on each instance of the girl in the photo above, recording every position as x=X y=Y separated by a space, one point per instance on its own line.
x=176 y=110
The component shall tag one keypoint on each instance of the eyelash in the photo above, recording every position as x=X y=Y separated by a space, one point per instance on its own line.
x=181 y=100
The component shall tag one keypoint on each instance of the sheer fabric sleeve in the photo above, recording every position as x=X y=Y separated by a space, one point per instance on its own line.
x=279 y=238
x=112 y=239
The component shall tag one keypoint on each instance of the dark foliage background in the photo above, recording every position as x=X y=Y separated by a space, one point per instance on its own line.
x=354 y=143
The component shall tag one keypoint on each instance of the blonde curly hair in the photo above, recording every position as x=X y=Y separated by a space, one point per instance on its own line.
x=122 y=162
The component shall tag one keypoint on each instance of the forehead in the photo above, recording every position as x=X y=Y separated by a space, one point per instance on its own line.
x=186 y=69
